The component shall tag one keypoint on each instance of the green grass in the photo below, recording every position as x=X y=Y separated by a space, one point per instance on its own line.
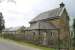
x=33 y=45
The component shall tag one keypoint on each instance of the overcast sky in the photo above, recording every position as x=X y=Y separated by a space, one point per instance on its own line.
x=20 y=12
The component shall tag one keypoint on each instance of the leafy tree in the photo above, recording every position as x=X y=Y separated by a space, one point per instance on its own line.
x=21 y=29
x=1 y=23
x=74 y=32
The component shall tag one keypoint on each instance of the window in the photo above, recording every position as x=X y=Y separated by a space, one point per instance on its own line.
x=33 y=33
x=51 y=33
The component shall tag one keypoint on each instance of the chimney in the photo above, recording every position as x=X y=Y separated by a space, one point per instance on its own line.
x=62 y=5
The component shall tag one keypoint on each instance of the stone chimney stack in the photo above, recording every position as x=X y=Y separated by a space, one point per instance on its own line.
x=62 y=5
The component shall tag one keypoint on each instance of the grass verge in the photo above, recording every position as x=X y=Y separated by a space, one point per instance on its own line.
x=25 y=43
x=33 y=45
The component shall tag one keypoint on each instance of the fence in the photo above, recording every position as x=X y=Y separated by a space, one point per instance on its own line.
x=25 y=37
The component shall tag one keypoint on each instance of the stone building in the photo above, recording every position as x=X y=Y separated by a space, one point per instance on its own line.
x=51 y=28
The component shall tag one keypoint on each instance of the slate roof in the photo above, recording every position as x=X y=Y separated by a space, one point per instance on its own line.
x=55 y=13
x=42 y=25
x=39 y=21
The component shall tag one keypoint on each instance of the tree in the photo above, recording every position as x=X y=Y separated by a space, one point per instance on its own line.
x=74 y=32
x=21 y=29
x=1 y=23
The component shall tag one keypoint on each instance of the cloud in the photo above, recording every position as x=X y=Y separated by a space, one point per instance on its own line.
x=13 y=1
x=24 y=10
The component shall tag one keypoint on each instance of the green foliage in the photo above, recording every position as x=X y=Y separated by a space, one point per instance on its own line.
x=1 y=23
x=21 y=29
x=74 y=25
x=74 y=33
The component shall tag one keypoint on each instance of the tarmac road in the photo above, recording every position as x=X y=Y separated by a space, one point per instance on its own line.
x=10 y=45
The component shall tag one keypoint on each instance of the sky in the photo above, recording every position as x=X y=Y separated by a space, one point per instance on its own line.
x=20 y=12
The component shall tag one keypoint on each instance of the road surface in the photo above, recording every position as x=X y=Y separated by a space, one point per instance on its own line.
x=10 y=45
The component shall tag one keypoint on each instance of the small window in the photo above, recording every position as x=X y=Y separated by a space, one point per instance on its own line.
x=51 y=33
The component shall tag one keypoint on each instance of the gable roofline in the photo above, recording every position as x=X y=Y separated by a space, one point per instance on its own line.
x=62 y=11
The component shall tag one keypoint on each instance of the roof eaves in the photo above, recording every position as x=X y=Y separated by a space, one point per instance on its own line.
x=57 y=17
